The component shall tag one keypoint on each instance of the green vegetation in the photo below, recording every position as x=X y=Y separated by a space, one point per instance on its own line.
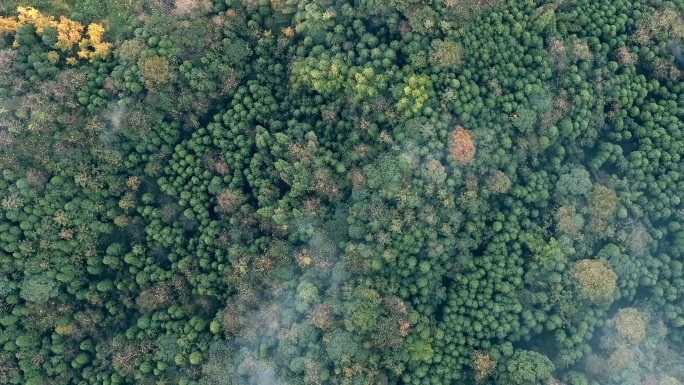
x=312 y=192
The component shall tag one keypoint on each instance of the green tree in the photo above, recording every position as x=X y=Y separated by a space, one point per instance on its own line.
x=575 y=182
x=38 y=288
x=362 y=311
x=529 y=368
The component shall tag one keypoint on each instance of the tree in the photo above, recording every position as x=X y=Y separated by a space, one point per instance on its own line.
x=596 y=281
x=322 y=316
x=629 y=324
x=568 y=221
x=528 y=368
x=603 y=204
x=483 y=365
x=446 y=53
x=306 y=165
x=412 y=97
x=229 y=201
x=341 y=344
x=575 y=182
x=307 y=295
x=63 y=35
x=69 y=33
x=498 y=182
x=462 y=146
x=38 y=288
x=5 y=286
x=155 y=71
x=129 y=51
x=362 y=311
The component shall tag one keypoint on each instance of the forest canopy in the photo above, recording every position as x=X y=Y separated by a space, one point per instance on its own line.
x=219 y=192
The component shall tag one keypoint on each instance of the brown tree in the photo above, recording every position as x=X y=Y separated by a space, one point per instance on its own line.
x=483 y=365
x=154 y=72
x=229 y=201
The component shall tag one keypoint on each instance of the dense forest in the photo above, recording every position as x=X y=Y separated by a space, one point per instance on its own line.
x=209 y=192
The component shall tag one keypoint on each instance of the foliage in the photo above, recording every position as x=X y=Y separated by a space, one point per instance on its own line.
x=630 y=325
x=633 y=346
x=596 y=281
x=483 y=365
x=69 y=34
x=528 y=367
x=462 y=146
x=154 y=71
x=253 y=192
x=576 y=182
x=38 y=288
x=445 y=53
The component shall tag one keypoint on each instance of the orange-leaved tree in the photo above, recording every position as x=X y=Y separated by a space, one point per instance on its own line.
x=462 y=146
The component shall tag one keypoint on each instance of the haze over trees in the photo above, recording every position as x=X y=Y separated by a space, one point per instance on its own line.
x=332 y=192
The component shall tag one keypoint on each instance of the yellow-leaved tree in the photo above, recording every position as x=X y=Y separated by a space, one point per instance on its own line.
x=30 y=15
x=69 y=34
x=100 y=49
x=8 y=25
